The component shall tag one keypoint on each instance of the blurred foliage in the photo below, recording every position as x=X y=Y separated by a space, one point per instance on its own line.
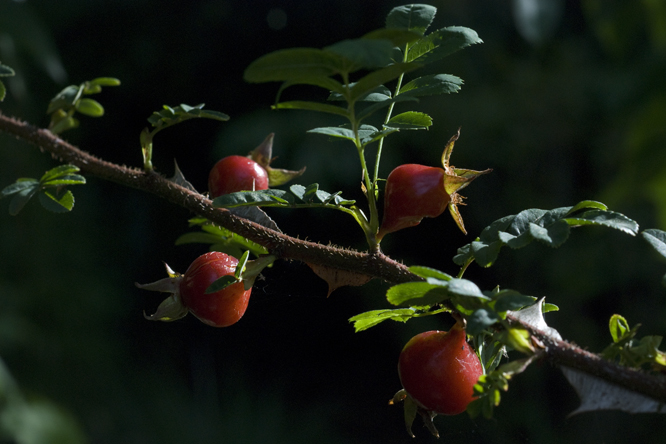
x=566 y=105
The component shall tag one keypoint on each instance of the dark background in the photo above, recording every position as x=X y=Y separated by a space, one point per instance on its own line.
x=569 y=110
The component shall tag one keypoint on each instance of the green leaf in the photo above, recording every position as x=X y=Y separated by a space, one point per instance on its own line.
x=369 y=110
x=65 y=98
x=20 y=199
x=426 y=272
x=416 y=293
x=410 y=120
x=19 y=186
x=293 y=64
x=379 y=77
x=363 y=53
x=369 y=319
x=105 y=81
x=64 y=125
x=342 y=132
x=327 y=83
x=619 y=327
x=441 y=43
x=586 y=205
x=465 y=288
x=221 y=283
x=512 y=300
x=272 y=198
x=377 y=94
x=431 y=85
x=656 y=238
x=312 y=106
x=52 y=203
x=59 y=171
x=72 y=179
x=549 y=227
x=377 y=135
x=397 y=37
x=609 y=219
x=3 y=91
x=481 y=319
x=412 y=17
x=90 y=107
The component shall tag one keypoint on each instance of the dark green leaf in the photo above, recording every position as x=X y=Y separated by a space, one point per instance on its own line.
x=62 y=204
x=363 y=53
x=377 y=135
x=397 y=37
x=512 y=300
x=19 y=186
x=412 y=17
x=463 y=287
x=312 y=106
x=426 y=272
x=327 y=83
x=432 y=85
x=410 y=120
x=90 y=107
x=442 y=43
x=221 y=284
x=481 y=319
x=364 y=132
x=272 y=198
x=416 y=293
x=656 y=238
x=378 y=94
x=65 y=98
x=369 y=110
x=293 y=64
x=20 y=199
x=549 y=227
x=606 y=218
x=3 y=91
x=379 y=77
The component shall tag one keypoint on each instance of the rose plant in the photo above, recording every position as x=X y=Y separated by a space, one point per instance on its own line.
x=463 y=369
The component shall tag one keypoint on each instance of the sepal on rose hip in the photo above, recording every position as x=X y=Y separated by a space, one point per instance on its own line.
x=172 y=308
x=263 y=156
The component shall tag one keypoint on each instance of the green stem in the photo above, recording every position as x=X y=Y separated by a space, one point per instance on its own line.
x=388 y=117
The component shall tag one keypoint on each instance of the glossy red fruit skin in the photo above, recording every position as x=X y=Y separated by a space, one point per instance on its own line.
x=236 y=173
x=412 y=192
x=222 y=308
x=439 y=369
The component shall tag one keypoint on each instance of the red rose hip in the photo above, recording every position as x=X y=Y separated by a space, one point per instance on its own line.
x=236 y=173
x=412 y=192
x=222 y=308
x=439 y=369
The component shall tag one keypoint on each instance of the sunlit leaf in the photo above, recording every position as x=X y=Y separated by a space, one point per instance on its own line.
x=416 y=293
x=415 y=17
x=441 y=43
x=61 y=204
x=90 y=107
x=398 y=37
x=369 y=319
x=410 y=120
x=257 y=198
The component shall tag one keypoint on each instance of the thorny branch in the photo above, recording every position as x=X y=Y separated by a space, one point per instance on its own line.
x=376 y=265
